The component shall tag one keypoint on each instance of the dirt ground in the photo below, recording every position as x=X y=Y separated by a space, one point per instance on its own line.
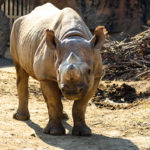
x=120 y=128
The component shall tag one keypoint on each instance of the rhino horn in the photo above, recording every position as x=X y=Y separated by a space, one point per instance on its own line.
x=73 y=58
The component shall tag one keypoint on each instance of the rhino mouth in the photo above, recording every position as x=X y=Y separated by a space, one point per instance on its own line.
x=72 y=95
x=73 y=92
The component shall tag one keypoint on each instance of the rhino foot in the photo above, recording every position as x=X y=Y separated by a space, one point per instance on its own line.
x=82 y=130
x=21 y=117
x=54 y=129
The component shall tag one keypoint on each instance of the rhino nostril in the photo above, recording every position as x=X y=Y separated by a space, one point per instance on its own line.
x=81 y=89
x=89 y=71
x=63 y=89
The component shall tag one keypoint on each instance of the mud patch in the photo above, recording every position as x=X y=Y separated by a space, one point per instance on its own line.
x=117 y=93
x=118 y=96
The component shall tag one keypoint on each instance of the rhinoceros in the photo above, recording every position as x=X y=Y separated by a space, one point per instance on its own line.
x=56 y=48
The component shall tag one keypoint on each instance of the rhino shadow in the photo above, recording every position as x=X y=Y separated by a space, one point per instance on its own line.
x=94 y=142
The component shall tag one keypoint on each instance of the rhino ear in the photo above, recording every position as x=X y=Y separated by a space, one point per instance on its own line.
x=98 y=39
x=51 y=40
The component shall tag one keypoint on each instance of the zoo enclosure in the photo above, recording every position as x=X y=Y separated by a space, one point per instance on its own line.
x=15 y=8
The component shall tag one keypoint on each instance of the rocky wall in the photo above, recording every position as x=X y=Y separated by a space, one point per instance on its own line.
x=116 y=15
x=130 y=16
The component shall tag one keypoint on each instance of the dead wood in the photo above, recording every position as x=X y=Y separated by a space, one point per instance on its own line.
x=128 y=59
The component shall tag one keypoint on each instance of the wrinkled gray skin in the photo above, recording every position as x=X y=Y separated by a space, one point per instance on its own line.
x=56 y=48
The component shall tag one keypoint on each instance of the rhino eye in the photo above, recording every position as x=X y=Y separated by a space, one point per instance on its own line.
x=89 y=71
x=58 y=71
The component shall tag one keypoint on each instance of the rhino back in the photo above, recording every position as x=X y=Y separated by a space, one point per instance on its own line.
x=69 y=21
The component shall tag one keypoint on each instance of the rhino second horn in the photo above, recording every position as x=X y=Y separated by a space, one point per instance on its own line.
x=73 y=73
x=73 y=58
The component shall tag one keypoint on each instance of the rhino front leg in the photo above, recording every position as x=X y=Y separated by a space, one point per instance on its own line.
x=80 y=128
x=52 y=97
x=22 y=88
x=79 y=107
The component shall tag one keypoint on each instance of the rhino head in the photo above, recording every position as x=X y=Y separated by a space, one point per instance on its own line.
x=75 y=62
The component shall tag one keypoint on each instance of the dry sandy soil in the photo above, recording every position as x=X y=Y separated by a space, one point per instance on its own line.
x=117 y=129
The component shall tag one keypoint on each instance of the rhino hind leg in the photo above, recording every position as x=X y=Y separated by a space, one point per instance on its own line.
x=22 y=88
x=80 y=128
x=52 y=97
